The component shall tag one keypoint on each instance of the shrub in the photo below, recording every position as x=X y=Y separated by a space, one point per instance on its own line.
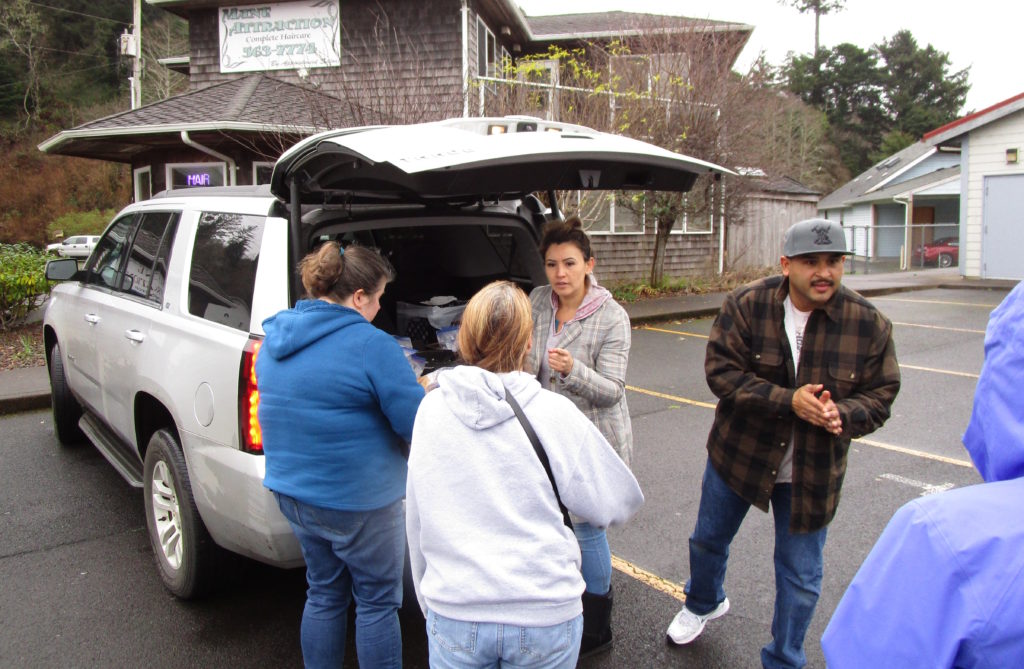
x=23 y=282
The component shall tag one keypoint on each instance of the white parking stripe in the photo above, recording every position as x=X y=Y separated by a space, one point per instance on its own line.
x=938 y=327
x=959 y=304
x=926 y=488
x=939 y=371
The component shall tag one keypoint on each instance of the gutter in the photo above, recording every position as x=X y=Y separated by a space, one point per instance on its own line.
x=905 y=254
x=207 y=150
x=65 y=136
x=465 y=59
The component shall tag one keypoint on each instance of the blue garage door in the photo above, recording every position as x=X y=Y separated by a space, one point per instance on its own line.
x=1002 y=218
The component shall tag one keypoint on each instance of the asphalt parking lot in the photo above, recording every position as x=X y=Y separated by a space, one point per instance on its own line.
x=81 y=590
x=939 y=338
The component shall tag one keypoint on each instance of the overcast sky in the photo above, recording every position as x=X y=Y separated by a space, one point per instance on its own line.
x=985 y=35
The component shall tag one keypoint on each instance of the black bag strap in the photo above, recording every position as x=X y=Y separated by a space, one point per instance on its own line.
x=539 y=449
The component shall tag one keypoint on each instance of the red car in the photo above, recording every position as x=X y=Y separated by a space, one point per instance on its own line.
x=944 y=252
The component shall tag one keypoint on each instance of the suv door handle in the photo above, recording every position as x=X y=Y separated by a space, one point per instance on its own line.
x=134 y=335
x=92 y=319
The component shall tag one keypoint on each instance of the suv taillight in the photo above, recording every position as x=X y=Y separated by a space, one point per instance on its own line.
x=249 y=398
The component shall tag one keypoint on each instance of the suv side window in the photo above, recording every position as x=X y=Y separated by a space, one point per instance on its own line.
x=108 y=256
x=145 y=272
x=224 y=260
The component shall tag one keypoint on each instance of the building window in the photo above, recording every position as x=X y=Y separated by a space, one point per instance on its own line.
x=142 y=178
x=619 y=212
x=261 y=173
x=486 y=50
x=193 y=175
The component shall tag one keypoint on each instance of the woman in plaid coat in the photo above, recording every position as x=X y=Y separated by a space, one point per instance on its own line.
x=581 y=339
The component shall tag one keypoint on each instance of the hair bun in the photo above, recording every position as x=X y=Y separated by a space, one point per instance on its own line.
x=574 y=222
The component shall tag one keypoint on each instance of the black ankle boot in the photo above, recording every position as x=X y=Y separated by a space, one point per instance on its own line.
x=597 y=623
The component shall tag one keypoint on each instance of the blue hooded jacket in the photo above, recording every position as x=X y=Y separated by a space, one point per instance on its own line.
x=944 y=584
x=337 y=399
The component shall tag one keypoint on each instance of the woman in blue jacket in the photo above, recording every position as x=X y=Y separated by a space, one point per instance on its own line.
x=337 y=404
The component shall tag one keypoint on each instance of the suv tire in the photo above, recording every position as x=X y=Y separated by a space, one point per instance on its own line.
x=185 y=555
x=66 y=409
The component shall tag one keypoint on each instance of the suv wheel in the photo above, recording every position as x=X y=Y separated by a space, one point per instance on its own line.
x=66 y=409
x=184 y=552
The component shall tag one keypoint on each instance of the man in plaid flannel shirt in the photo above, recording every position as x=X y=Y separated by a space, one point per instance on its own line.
x=800 y=365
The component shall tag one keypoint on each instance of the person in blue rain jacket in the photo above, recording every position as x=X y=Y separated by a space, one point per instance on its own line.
x=944 y=584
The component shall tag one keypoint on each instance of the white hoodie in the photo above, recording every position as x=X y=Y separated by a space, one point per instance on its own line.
x=486 y=538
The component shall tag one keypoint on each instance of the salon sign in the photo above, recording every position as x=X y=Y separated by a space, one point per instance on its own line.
x=280 y=36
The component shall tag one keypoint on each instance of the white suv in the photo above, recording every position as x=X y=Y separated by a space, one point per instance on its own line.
x=151 y=345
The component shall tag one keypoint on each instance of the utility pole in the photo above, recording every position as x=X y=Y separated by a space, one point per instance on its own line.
x=131 y=46
x=137 y=63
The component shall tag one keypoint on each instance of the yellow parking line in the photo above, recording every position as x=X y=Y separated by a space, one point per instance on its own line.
x=923 y=369
x=960 y=304
x=939 y=371
x=674 y=398
x=920 y=454
x=867 y=442
x=675 y=332
x=657 y=582
x=938 y=327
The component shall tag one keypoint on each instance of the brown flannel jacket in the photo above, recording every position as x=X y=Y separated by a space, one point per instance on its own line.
x=847 y=346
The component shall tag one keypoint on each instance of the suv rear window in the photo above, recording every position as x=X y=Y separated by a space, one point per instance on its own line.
x=223 y=274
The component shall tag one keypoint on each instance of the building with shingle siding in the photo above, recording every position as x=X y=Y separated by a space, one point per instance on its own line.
x=261 y=76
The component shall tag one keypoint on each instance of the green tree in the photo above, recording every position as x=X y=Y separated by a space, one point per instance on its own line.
x=843 y=83
x=21 y=38
x=879 y=100
x=818 y=8
x=920 y=92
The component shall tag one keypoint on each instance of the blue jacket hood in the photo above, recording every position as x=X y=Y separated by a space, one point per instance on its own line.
x=995 y=434
x=310 y=321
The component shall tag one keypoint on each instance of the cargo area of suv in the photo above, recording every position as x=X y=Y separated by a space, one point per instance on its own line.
x=151 y=344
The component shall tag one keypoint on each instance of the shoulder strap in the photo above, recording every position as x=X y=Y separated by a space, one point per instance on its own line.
x=539 y=449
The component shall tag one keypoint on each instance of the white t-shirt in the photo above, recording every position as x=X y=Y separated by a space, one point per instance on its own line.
x=795 y=322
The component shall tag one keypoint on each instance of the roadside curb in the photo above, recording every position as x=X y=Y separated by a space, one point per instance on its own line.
x=31 y=402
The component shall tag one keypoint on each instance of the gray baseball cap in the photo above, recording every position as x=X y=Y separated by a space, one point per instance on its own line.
x=815 y=235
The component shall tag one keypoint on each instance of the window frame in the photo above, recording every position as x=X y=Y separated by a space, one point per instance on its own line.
x=136 y=174
x=256 y=165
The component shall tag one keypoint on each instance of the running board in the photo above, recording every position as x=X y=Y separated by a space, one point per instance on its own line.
x=125 y=461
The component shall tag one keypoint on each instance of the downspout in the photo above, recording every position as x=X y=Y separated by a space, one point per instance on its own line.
x=465 y=59
x=207 y=150
x=905 y=253
x=721 y=224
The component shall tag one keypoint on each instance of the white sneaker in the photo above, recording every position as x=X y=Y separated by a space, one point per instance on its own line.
x=687 y=625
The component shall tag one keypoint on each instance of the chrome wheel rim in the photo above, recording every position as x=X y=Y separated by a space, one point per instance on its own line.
x=166 y=515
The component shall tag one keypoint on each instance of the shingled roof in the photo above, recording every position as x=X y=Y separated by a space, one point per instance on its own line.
x=605 y=24
x=252 y=104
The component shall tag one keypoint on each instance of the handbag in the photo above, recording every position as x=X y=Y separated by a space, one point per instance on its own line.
x=539 y=449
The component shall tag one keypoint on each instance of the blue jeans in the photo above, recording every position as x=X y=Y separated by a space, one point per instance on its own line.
x=350 y=554
x=596 y=564
x=798 y=565
x=455 y=644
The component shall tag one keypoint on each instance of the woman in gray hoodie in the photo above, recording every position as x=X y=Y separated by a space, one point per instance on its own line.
x=497 y=572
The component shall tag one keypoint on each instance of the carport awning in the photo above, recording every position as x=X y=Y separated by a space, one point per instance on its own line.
x=238 y=110
x=121 y=145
